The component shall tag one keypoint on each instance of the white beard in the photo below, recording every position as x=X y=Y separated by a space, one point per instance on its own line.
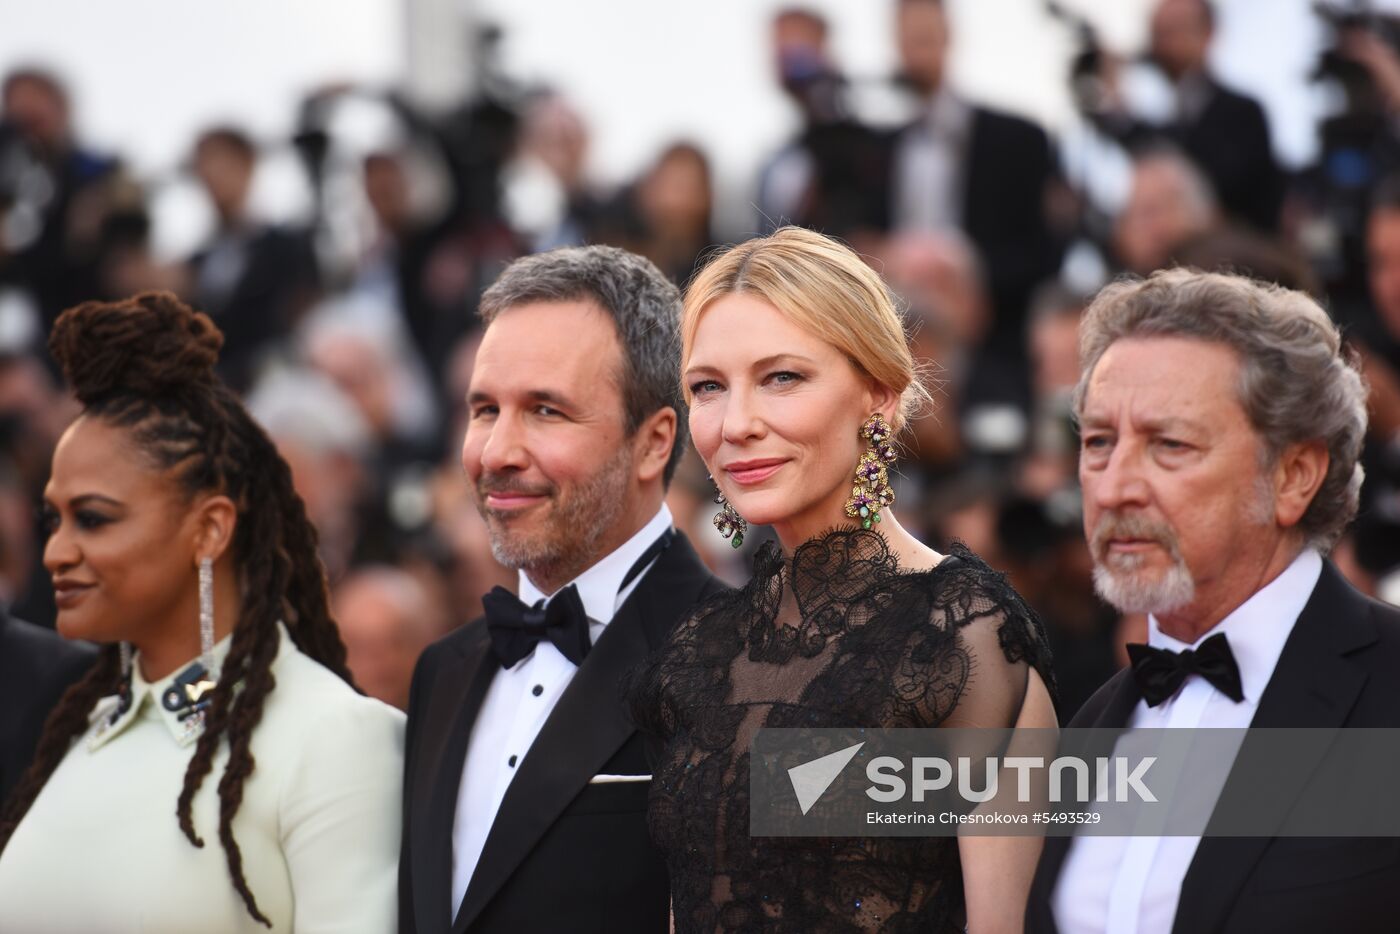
x=1121 y=582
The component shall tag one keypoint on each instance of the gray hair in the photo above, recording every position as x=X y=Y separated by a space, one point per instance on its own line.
x=1296 y=384
x=644 y=305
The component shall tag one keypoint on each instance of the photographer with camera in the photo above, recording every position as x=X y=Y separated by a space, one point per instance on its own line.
x=55 y=195
x=1224 y=132
x=987 y=174
x=831 y=175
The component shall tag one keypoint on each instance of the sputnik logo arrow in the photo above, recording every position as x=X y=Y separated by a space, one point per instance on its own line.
x=811 y=779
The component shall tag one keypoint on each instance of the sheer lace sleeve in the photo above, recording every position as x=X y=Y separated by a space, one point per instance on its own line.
x=999 y=639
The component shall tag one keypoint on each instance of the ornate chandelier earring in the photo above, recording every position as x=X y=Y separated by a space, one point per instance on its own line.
x=731 y=525
x=872 y=491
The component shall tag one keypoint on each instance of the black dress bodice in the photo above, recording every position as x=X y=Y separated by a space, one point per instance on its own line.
x=839 y=636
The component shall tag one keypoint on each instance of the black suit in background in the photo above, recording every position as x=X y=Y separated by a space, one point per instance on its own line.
x=254 y=283
x=36 y=666
x=563 y=855
x=1340 y=668
x=1228 y=139
x=1008 y=168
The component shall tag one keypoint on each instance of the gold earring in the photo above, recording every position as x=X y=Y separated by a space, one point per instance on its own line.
x=872 y=491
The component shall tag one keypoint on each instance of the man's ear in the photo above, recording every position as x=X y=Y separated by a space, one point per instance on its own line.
x=216 y=518
x=1297 y=477
x=653 y=442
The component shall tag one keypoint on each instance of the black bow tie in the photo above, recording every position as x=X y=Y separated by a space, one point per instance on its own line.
x=516 y=628
x=1160 y=672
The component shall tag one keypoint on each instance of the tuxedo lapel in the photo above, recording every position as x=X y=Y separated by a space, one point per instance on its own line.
x=1121 y=697
x=1314 y=685
x=587 y=727
x=462 y=688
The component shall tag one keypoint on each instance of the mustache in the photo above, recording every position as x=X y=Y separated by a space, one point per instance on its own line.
x=1114 y=525
x=497 y=483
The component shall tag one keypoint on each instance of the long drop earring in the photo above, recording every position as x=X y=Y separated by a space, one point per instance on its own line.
x=731 y=525
x=872 y=491
x=198 y=687
x=206 y=615
x=124 y=688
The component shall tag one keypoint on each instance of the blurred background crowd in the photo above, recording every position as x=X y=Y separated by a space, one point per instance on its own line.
x=350 y=322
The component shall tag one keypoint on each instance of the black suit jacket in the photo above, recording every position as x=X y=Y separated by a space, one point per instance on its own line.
x=36 y=666
x=1339 y=668
x=563 y=855
x=1008 y=170
x=278 y=278
x=1229 y=141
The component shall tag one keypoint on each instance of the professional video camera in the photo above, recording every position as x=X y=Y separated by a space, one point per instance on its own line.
x=1358 y=146
x=1086 y=70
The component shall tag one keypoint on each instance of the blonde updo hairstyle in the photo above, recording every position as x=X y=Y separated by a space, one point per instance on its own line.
x=822 y=286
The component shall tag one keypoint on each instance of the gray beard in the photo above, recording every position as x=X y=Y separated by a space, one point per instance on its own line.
x=577 y=524
x=1125 y=589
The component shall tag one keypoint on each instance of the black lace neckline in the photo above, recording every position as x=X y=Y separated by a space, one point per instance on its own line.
x=826 y=575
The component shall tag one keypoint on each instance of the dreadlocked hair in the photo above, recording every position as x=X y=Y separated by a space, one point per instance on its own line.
x=146 y=364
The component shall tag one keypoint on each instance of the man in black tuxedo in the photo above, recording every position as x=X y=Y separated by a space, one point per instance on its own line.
x=254 y=279
x=985 y=173
x=1220 y=427
x=1224 y=132
x=526 y=785
x=36 y=666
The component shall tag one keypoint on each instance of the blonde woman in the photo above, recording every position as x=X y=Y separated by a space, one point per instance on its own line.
x=798 y=375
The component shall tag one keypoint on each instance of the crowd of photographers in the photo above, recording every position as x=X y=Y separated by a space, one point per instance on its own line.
x=352 y=335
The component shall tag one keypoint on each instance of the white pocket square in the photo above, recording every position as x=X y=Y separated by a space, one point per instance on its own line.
x=611 y=779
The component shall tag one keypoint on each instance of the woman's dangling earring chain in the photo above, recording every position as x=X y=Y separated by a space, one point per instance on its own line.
x=872 y=491
x=731 y=525
x=124 y=688
x=206 y=615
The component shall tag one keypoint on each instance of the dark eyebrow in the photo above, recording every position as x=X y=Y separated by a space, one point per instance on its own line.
x=84 y=499
x=547 y=396
x=550 y=397
x=90 y=499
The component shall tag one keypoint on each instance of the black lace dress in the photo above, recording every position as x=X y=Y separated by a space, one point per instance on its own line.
x=839 y=637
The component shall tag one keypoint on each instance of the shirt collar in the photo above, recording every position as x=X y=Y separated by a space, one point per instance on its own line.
x=946 y=116
x=146 y=700
x=1258 y=628
x=599 y=587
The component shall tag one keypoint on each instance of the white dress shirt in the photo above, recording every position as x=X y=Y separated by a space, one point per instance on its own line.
x=929 y=167
x=100 y=849
x=1130 y=885
x=521 y=698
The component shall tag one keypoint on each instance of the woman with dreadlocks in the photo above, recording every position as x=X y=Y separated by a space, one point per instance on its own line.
x=220 y=708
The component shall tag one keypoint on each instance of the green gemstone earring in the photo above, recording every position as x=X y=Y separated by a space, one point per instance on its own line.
x=872 y=491
x=731 y=525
